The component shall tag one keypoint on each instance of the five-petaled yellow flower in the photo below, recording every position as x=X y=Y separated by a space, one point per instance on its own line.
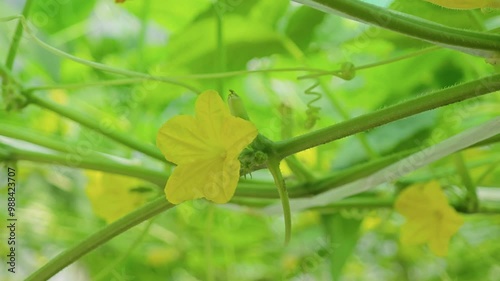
x=466 y=4
x=205 y=148
x=430 y=219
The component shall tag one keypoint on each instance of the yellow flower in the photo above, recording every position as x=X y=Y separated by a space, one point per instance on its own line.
x=113 y=196
x=430 y=219
x=466 y=4
x=205 y=148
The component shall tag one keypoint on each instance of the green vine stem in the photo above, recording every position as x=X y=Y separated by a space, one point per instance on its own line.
x=90 y=123
x=105 y=271
x=392 y=113
x=11 y=55
x=67 y=257
x=24 y=134
x=375 y=64
x=112 y=82
x=65 y=159
x=477 y=43
x=274 y=167
x=97 y=65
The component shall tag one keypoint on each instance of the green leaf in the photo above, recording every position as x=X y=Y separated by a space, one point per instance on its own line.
x=195 y=47
x=53 y=15
x=343 y=234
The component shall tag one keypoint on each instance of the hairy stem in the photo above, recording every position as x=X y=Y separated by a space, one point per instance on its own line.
x=274 y=168
x=100 y=127
x=478 y=43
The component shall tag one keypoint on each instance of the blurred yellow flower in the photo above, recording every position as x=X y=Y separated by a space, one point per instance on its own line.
x=113 y=196
x=430 y=219
x=466 y=4
x=205 y=148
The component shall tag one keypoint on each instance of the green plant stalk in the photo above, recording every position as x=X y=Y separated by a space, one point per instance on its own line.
x=101 y=66
x=287 y=126
x=159 y=205
x=11 y=55
x=37 y=138
x=7 y=74
x=113 y=82
x=478 y=43
x=67 y=257
x=375 y=64
x=88 y=122
x=471 y=200
x=392 y=113
x=264 y=190
x=157 y=177
x=273 y=165
x=104 y=272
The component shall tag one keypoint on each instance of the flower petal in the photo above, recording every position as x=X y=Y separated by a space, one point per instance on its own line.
x=447 y=227
x=210 y=114
x=435 y=195
x=413 y=203
x=416 y=232
x=181 y=141
x=215 y=180
x=112 y=196
x=238 y=133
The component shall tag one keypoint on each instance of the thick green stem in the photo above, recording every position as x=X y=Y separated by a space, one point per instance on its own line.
x=484 y=44
x=86 y=162
x=24 y=134
x=11 y=55
x=69 y=256
x=100 y=127
x=274 y=168
x=399 y=111
x=104 y=272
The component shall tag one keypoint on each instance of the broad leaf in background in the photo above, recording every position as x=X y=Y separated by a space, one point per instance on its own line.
x=244 y=40
x=343 y=235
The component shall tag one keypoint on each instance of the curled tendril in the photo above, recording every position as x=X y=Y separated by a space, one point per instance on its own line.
x=347 y=72
x=312 y=111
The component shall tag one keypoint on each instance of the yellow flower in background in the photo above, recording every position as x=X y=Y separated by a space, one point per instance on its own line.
x=205 y=148
x=430 y=219
x=113 y=196
x=466 y=4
